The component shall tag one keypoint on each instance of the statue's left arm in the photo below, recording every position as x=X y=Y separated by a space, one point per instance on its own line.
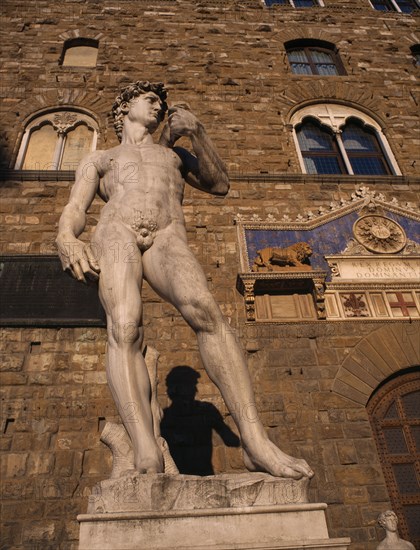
x=205 y=170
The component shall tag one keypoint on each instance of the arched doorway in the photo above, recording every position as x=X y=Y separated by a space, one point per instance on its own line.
x=394 y=412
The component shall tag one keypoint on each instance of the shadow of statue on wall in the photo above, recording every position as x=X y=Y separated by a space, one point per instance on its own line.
x=188 y=424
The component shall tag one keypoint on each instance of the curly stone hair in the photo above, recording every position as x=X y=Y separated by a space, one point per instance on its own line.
x=121 y=105
x=382 y=517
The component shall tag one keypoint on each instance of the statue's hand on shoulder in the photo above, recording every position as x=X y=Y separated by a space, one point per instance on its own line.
x=78 y=259
x=182 y=122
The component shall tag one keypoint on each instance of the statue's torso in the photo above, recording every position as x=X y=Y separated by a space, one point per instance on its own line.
x=141 y=182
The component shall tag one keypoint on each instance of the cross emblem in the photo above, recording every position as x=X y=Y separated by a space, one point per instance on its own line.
x=401 y=304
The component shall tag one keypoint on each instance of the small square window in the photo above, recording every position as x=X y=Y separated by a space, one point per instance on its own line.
x=80 y=52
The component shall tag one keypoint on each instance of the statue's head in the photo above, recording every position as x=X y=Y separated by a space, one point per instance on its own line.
x=388 y=520
x=122 y=102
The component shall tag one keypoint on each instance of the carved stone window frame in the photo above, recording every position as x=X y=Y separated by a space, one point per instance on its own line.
x=63 y=120
x=334 y=116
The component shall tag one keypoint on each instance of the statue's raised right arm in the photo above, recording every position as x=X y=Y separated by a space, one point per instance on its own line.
x=206 y=170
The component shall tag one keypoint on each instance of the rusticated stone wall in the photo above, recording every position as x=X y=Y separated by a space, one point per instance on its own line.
x=227 y=60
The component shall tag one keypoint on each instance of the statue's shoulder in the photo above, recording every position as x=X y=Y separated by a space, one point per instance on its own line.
x=94 y=157
x=100 y=159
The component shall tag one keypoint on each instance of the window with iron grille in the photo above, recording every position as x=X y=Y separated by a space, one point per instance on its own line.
x=314 y=57
x=394 y=412
x=402 y=6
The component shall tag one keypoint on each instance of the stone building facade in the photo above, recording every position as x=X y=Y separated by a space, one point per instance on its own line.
x=333 y=348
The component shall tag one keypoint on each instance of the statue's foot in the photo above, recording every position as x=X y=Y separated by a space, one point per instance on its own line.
x=150 y=464
x=266 y=457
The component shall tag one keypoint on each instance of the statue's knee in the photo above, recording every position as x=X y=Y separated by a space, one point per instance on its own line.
x=202 y=314
x=128 y=332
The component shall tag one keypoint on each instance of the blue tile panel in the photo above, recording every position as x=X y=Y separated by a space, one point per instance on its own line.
x=328 y=239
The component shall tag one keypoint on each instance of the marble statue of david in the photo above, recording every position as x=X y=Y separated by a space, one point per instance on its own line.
x=142 y=183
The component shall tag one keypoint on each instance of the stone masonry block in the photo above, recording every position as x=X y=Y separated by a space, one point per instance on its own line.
x=35 y=533
x=40 y=463
x=13 y=465
x=346 y=516
x=356 y=495
x=351 y=475
x=11 y=362
x=347 y=452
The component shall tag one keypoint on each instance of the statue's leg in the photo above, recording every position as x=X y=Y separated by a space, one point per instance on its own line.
x=119 y=290
x=174 y=273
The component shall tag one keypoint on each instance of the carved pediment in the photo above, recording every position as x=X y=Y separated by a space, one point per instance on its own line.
x=364 y=260
x=366 y=224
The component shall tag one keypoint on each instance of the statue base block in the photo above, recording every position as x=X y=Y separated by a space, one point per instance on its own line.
x=238 y=511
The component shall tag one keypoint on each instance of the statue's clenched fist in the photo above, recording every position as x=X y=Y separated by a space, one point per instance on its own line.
x=181 y=121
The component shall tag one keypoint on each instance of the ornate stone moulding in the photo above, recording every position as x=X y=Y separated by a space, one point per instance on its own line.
x=313 y=282
x=361 y=197
x=355 y=246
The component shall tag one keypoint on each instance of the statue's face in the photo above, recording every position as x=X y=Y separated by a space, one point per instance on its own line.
x=391 y=522
x=147 y=110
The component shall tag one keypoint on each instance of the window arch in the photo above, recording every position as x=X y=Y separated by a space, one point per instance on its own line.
x=314 y=57
x=57 y=140
x=394 y=413
x=79 y=52
x=336 y=139
x=402 y=6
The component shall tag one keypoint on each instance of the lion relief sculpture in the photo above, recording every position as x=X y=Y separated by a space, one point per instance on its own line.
x=294 y=257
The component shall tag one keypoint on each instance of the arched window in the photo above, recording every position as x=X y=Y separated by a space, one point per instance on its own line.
x=362 y=149
x=335 y=139
x=403 y=6
x=79 y=52
x=57 y=140
x=319 y=149
x=314 y=57
x=394 y=412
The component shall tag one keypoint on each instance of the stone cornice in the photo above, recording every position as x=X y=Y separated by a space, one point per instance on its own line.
x=247 y=177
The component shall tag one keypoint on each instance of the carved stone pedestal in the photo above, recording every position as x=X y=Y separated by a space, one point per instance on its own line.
x=245 y=511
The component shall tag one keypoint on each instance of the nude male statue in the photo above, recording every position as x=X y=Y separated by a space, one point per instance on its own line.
x=143 y=184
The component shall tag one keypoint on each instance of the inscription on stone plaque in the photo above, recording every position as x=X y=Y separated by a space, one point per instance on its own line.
x=366 y=268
